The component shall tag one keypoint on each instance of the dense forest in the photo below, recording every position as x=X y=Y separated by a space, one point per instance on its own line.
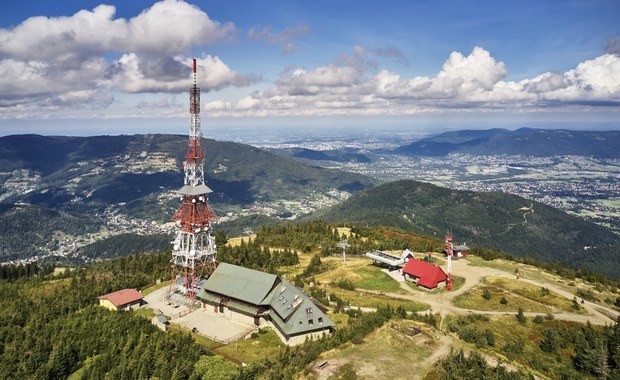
x=24 y=230
x=50 y=326
x=489 y=219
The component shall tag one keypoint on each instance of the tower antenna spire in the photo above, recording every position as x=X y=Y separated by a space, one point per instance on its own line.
x=194 y=250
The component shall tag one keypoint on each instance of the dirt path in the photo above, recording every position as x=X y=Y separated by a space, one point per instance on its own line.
x=442 y=302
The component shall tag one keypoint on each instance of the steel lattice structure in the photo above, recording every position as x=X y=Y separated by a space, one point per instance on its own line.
x=449 y=253
x=194 y=250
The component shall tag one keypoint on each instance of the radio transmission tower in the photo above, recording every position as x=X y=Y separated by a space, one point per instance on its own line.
x=193 y=253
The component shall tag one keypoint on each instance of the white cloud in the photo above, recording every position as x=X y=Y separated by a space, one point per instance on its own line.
x=169 y=27
x=49 y=62
x=475 y=81
x=133 y=74
x=173 y=26
x=462 y=76
x=37 y=83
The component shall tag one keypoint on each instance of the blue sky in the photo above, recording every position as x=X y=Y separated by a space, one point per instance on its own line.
x=91 y=67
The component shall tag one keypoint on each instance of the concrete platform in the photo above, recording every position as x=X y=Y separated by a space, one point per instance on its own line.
x=213 y=326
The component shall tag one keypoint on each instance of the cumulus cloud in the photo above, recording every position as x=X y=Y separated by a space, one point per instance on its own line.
x=53 y=84
x=48 y=62
x=322 y=79
x=134 y=74
x=613 y=45
x=168 y=27
x=352 y=85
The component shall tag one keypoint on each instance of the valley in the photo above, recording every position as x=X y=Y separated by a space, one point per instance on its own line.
x=583 y=186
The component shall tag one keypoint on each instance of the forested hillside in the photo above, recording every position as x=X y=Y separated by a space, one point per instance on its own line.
x=74 y=184
x=497 y=220
x=24 y=231
x=50 y=326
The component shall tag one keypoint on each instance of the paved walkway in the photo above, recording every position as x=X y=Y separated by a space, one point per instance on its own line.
x=213 y=326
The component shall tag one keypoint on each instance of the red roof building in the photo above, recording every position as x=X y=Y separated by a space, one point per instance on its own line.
x=424 y=274
x=121 y=299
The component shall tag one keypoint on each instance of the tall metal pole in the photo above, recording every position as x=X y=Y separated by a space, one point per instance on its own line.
x=449 y=254
x=194 y=250
x=344 y=245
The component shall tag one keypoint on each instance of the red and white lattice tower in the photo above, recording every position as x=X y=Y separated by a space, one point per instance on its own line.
x=449 y=255
x=193 y=253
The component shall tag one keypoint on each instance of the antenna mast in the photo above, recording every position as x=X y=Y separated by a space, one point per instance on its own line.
x=193 y=253
x=449 y=254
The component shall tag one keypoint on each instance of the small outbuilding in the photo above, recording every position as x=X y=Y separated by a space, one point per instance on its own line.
x=161 y=321
x=406 y=255
x=124 y=299
x=458 y=251
x=425 y=274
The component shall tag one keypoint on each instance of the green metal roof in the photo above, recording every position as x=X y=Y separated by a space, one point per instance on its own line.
x=285 y=299
x=290 y=308
x=203 y=295
x=306 y=318
x=244 y=284
x=242 y=306
x=294 y=312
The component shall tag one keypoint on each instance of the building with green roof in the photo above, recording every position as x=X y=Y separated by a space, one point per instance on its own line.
x=250 y=296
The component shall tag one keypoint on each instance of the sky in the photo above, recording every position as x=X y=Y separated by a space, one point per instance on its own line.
x=122 y=67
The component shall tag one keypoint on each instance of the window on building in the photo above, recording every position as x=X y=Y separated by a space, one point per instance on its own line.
x=310 y=322
x=309 y=310
x=320 y=320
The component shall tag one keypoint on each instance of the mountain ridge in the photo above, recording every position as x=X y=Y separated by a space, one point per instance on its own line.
x=525 y=141
x=136 y=175
x=505 y=222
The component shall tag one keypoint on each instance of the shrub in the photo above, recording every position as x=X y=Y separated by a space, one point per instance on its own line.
x=538 y=319
x=486 y=294
x=344 y=283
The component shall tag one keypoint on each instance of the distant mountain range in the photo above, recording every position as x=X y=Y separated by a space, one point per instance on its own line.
x=324 y=155
x=505 y=222
x=53 y=189
x=525 y=141
x=80 y=177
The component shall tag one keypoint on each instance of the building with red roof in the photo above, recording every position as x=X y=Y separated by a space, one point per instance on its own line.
x=424 y=274
x=124 y=299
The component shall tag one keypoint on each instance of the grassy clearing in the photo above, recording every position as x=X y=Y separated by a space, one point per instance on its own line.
x=145 y=312
x=506 y=266
x=155 y=287
x=535 y=293
x=266 y=345
x=361 y=272
x=384 y=354
x=475 y=301
x=363 y=299
x=508 y=332
x=340 y=320
x=236 y=241
x=373 y=279
x=344 y=230
x=62 y=270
